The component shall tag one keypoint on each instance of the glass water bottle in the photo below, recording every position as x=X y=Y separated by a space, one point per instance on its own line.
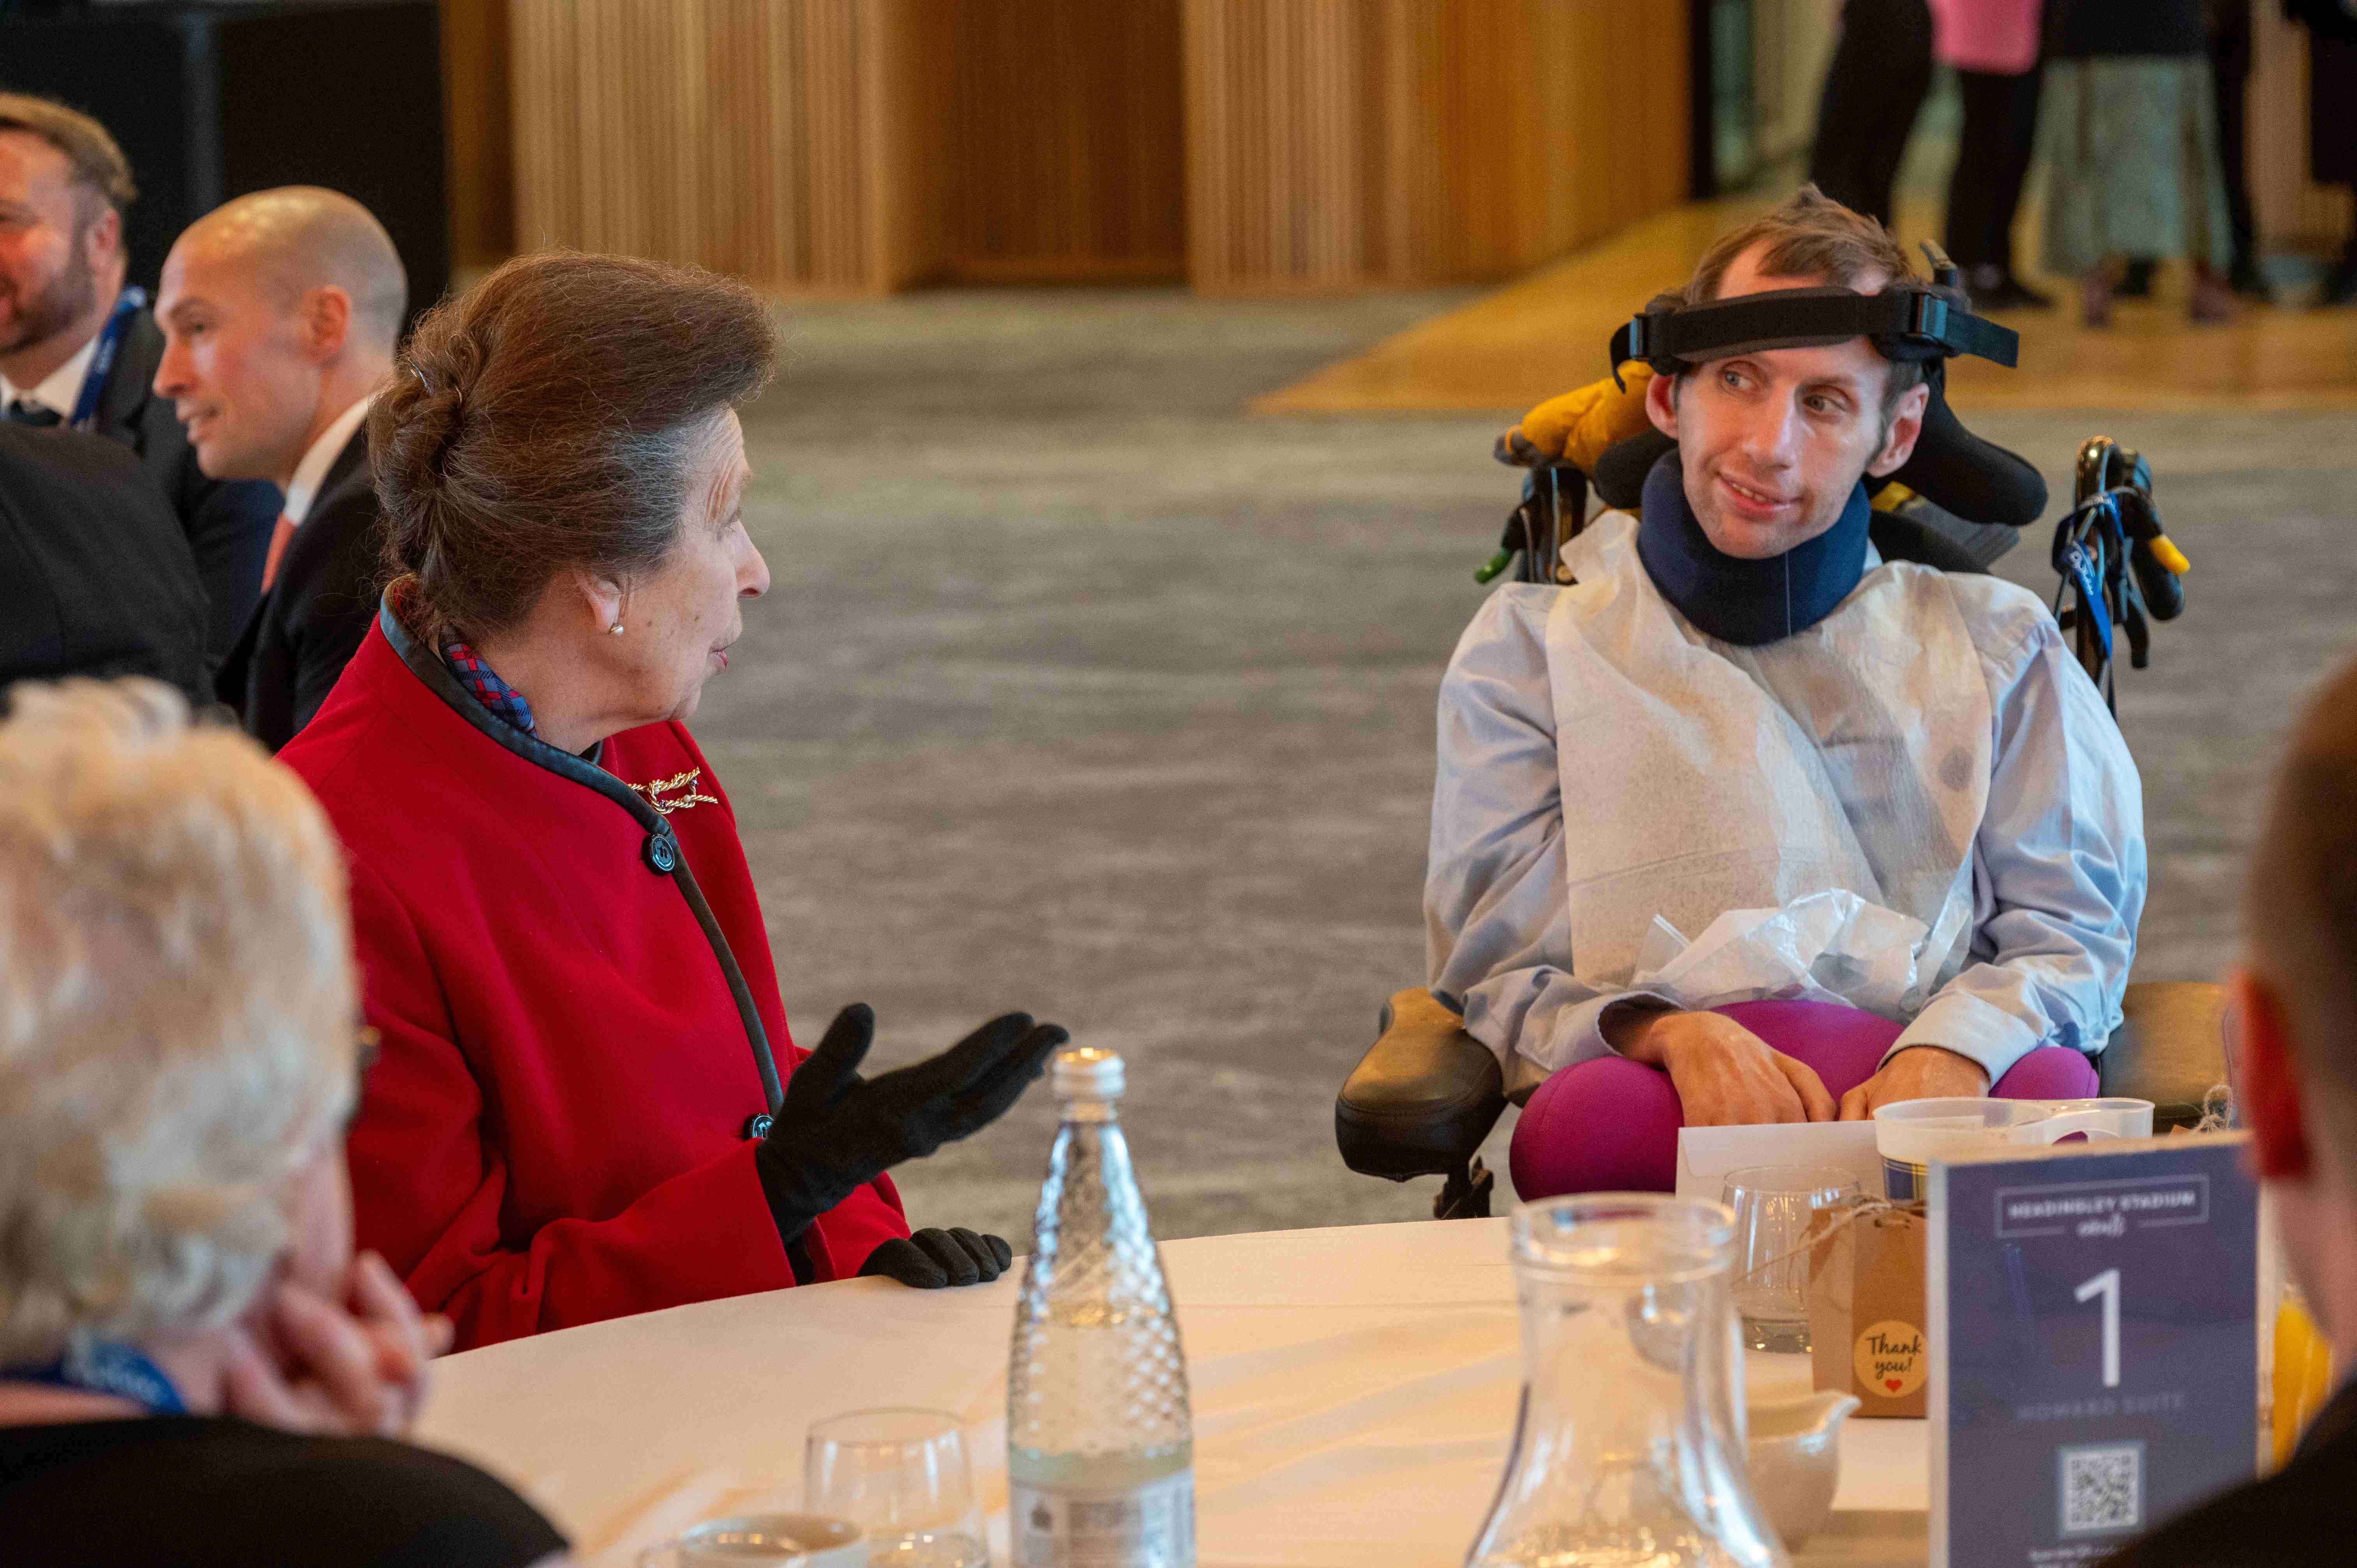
x=1629 y=1451
x=1100 y=1447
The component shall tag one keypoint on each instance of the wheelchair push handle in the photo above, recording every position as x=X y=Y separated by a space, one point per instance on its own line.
x=2108 y=469
x=2118 y=568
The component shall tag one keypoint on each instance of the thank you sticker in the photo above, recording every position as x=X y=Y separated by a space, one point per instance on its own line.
x=1891 y=1359
x=2093 y=1324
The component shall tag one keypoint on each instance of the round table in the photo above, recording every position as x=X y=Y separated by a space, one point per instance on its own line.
x=1354 y=1393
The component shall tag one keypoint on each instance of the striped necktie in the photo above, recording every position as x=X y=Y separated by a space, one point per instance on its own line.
x=24 y=411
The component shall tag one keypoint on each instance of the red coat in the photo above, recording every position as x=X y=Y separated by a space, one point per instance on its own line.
x=555 y=1131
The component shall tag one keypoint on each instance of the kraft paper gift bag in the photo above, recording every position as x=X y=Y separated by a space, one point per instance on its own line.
x=1866 y=1307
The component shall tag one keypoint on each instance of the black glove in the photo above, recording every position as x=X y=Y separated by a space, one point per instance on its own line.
x=836 y=1131
x=932 y=1259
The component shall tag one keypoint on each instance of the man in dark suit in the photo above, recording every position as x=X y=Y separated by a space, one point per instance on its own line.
x=280 y=311
x=2294 y=1030
x=77 y=348
x=95 y=575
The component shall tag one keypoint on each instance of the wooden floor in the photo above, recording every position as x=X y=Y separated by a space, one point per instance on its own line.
x=1547 y=333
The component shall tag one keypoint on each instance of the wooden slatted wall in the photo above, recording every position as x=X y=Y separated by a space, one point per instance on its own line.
x=854 y=145
x=479 y=131
x=1342 y=143
x=724 y=133
x=867 y=144
x=1061 y=133
x=1284 y=177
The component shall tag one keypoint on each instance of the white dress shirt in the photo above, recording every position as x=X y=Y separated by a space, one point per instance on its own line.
x=312 y=471
x=58 y=391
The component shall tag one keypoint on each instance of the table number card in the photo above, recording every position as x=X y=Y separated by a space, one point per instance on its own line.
x=2093 y=1327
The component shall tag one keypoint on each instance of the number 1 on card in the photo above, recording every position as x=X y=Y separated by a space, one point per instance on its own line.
x=2107 y=1286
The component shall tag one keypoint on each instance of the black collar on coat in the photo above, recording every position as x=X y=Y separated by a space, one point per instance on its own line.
x=661 y=853
x=426 y=664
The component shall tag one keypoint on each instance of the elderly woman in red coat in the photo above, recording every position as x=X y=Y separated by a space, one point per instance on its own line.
x=587 y=1104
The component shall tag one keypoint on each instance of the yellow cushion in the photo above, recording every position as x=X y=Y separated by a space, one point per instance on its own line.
x=1576 y=428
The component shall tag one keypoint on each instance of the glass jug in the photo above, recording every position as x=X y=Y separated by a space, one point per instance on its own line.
x=1629 y=1451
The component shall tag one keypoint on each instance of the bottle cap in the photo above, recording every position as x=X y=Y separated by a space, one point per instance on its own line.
x=1085 y=1072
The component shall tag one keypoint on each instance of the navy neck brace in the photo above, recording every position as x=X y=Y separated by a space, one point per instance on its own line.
x=1747 y=603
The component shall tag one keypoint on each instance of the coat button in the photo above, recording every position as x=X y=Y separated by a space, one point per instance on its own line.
x=757 y=1126
x=662 y=854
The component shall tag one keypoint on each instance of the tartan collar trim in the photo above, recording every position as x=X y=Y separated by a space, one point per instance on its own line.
x=436 y=678
x=471 y=694
x=483 y=683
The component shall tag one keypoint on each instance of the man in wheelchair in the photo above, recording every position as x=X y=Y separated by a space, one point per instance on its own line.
x=1746 y=823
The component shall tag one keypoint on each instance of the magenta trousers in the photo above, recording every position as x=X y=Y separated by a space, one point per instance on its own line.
x=1611 y=1125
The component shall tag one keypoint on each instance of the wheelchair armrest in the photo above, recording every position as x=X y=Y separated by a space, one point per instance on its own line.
x=1424 y=1096
x=2170 y=1048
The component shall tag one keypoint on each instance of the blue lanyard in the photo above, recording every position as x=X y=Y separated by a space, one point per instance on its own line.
x=102 y=359
x=104 y=1367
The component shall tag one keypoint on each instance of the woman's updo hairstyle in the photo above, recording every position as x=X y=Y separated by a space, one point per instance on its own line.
x=546 y=419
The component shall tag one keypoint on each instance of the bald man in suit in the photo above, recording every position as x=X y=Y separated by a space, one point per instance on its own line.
x=280 y=313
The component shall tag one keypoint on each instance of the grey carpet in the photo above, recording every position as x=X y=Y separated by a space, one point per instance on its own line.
x=1079 y=692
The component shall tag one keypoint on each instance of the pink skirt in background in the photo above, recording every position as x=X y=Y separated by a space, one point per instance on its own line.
x=1996 y=37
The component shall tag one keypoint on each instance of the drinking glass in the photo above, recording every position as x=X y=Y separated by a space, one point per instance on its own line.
x=903 y=1478
x=1774 y=1205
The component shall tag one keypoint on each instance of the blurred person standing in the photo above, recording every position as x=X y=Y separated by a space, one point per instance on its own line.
x=2294 y=1024
x=280 y=312
x=195 y=1368
x=1994 y=45
x=588 y=1103
x=77 y=348
x=2228 y=24
x=2129 y=132
x=2331 y=135
x=1875 y=86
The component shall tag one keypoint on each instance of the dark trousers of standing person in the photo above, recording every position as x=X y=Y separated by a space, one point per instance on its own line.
x=2332 y=143
x=2230 y=76
x=1880 y=74
x=1992 y=155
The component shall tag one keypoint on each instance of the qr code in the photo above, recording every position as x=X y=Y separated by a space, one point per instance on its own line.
x=2102 y=1488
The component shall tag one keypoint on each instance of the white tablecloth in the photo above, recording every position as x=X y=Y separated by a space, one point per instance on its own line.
x=1354 y=1395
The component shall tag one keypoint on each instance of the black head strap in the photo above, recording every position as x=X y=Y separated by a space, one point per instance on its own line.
x=1908 y=320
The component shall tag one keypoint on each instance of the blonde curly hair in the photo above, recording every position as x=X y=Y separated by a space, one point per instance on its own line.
x=176 y=1010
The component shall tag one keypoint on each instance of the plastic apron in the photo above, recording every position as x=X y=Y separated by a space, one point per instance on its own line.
x=1700 y=778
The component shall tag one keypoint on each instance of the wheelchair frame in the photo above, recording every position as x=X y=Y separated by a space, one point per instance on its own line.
x=1425 y=1095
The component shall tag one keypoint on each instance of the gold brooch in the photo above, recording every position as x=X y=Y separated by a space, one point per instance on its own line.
x=675 y=793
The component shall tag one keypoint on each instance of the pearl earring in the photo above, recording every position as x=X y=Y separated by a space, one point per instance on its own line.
x=615 y=629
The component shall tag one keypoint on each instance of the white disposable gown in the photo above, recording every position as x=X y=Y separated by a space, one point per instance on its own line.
x=1919 y=806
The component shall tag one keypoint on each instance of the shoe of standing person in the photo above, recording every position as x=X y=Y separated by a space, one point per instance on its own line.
x=2213 y=297
x=2341 y=288
x=2136 y=279
x=1994 y=288
x=2095 y=297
